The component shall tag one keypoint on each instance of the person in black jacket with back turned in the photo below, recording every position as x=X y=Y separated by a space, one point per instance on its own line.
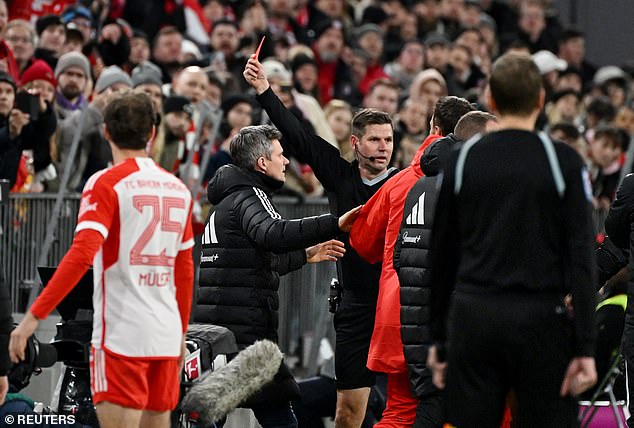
x=512 y=236
x=620 y=227
x=347 y=185
x=246 y=245
x=411 y=263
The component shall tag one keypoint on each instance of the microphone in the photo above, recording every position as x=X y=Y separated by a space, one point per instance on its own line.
x=370 y=158
x=224 y=389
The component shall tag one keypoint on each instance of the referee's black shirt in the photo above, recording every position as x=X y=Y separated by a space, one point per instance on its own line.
x=509 y=230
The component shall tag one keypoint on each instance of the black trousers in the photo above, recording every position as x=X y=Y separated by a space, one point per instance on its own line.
x=430 y=411
x=503 y=342
x=627 y=348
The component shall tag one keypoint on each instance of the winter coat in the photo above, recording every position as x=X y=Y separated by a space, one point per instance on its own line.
x=246 y=246
x=412 y=264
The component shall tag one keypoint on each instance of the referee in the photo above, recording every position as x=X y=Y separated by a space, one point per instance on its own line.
x=512 y=238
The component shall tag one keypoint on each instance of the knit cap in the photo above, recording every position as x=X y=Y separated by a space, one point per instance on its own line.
x=72 y=59
x=38 y=70
x=110 y=76
x=145 y=73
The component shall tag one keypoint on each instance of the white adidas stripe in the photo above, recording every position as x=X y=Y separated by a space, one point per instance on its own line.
x=266 y=203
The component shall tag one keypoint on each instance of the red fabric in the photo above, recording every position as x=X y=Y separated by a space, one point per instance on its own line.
x=507 y=419
x=326 y=79
x=194 y=5
x=116 y=9
x=135 y=383
x=374 y=72
x=21 y=176
x=28 y=9
x=73 y=266
x=400 y=410
x=373 y=236
x=184 y=279
x=6 y=55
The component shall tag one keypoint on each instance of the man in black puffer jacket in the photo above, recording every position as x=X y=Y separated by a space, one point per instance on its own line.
x=246 y=246
x=412 y=266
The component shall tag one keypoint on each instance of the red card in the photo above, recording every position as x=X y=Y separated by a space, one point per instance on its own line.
x=257 y=51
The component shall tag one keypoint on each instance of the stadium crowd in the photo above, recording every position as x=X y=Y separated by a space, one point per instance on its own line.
x=325 y=59
x=319 y=65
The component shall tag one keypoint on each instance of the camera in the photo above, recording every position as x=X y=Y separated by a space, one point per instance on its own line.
x=334 y=298
x=37 y=356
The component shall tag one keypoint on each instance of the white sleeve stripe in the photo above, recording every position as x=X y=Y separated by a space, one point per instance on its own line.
x=94 y=226
x=266 y=203
x=187 y=244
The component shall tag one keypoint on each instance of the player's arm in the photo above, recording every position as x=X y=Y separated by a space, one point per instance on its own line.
x=184 y=274
x=184 y=278
x=73 y=266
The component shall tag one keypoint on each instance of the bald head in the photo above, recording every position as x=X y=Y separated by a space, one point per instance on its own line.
x=192 y=83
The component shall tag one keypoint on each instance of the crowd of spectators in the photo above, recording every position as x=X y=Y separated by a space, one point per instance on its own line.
x=324 y=59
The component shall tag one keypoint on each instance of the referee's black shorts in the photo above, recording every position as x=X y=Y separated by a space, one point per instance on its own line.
x=508 y=341
x=354 y=323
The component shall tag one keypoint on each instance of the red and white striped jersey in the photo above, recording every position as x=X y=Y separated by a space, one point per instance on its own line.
x=144 y=214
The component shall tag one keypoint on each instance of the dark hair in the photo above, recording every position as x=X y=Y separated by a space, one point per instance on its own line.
x=252 y=143
x=615 y=136
x=518 y=44
x=165 y=31
x=570 y=34
x=570 y=131
x=389 y=83
x=602 y=109
x=472 y=123
x=448 y=111
x=369 y=116
x=515 y=84
x=228 y=22
x=129 y=119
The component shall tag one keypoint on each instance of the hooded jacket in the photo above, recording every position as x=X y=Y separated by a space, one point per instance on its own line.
x=246 y=246
x=412 y=264
x=373 y=236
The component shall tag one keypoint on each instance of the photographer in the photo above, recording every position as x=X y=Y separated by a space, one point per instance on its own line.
x=27 y=122
x=12 y=123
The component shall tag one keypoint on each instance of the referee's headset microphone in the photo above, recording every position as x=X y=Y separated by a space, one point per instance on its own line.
x=370 y=158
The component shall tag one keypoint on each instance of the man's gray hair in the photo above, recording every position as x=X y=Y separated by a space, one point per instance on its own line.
x=251 y=143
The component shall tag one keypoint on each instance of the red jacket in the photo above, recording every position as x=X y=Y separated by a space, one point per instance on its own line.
x=373 y=236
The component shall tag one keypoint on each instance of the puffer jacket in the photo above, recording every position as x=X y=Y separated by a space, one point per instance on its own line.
x=412 y=264
x=246 y=246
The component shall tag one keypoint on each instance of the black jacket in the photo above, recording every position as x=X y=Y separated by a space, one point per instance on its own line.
x=246 y=245
x=412 y=264
x=507 y=230
x=620 y=227
x=343 y=184
x=34 y=136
